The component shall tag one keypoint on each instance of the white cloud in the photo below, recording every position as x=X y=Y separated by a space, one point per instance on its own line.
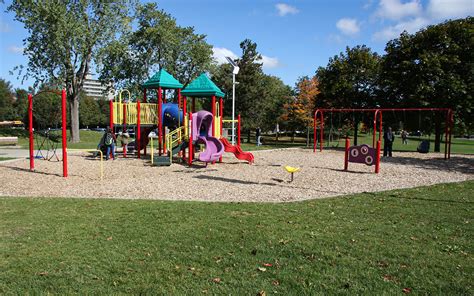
x=219 y=54
x=270 y=63
x=348 y=26
x=396 y=10
x=446 y=9
x=16 y=49
x=284 y=9
x=394 y=31
x=4 y=27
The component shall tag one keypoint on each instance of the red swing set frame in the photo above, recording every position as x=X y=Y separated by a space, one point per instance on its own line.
x=319 y=117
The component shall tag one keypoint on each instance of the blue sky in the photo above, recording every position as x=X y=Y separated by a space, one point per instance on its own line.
x=294 y=37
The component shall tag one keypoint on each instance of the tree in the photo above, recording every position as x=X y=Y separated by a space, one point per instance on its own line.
x=433 y=68
x=350 y=80
x=21 y=104
x=89 y=111
x=46 y=109
x=259 y=97
x=158 y=42
x=64 y=39
x=7 y=111
x=300 y=108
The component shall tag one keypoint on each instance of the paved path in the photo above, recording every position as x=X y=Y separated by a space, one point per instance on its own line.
x=14 y=151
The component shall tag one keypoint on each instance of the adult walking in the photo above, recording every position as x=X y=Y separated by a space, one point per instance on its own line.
x=388 y=138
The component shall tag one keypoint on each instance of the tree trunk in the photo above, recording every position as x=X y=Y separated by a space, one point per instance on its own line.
x=307 y=136
x=74 y=109
x=437 y=145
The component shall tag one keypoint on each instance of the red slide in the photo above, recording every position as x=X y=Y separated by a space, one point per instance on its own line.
x=228 y=147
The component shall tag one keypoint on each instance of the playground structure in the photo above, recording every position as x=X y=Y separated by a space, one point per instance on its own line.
x=362 y=154
x=318 y=119
x=187 y=128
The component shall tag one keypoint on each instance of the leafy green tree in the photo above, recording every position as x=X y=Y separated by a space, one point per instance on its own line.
x=89 y=111
x=7 y=111
x=158 y=42
x=64 y=38
x=299 y=110
x=46 y=109
x=21 y=104
x=433 y=68
x=350 y=80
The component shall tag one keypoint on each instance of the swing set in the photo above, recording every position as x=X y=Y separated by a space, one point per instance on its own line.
x=318 y=121
x=47 y=141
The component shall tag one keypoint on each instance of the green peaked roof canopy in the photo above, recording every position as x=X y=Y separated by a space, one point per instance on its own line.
x=202 y=86
x=162 y=79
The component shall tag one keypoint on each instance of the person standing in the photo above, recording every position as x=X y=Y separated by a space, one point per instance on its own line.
x=109 y=141
x=257 y=136
x=388 y=138
x=404 y=137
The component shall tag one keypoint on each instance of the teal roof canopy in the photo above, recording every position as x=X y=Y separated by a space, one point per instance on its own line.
x=201 y=87
x=162 y=79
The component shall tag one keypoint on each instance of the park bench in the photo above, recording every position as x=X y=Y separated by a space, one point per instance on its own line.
x=8 y=141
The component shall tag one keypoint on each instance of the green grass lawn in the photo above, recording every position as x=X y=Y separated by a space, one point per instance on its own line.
x=418 y=240
x=6 y=158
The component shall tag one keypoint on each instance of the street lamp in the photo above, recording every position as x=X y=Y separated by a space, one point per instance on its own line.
x=235 y=71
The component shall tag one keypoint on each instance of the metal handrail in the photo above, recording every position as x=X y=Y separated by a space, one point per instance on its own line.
x=101 y=158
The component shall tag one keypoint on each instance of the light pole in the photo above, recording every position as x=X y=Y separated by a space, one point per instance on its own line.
x=235 y=71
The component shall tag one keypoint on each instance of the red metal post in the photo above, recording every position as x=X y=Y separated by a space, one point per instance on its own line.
x=374 y=131
x=124 y=129
x=64 y=112
x=221 y=113
x=321 y=133
x=160 y=120
x=239 y=123
x=184 y=118
x=191 y=148
x=179 y=98
x=30 y=130
x=377 y=158
x=314 y=131
x=380 y=126
x=346 y=154
x=138 y=130
x=213 y=116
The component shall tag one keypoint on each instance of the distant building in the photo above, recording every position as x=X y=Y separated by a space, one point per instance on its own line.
x=95 y=89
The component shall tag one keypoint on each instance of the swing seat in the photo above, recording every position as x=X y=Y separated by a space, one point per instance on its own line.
x=423 y=147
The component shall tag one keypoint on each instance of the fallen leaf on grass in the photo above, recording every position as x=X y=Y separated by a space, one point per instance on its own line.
x=262 y=269
x=276 y=283
x=109 y=238
x=43 y=273
x=216 y=280
x=267 y=264
x=387 y=278
x=406 y=290
x=262 y=293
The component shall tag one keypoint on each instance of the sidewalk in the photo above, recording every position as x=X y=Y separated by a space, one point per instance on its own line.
x=14 y=151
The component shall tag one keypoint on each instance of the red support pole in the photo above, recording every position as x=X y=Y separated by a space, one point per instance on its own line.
x=213 y=116
x=111 y=114
x=221 y=113
x=380 y=126
x=321 y=134
x=374 y=132
x=377 y=158
x=160 y=120
x=191 y=148
x=314 y=131
x=346 y=154
x=138 y=130
x=239 y=123
x=184 y=123
x=30 y=130
x=179 y=98
x=124 y=129
x=64 y=112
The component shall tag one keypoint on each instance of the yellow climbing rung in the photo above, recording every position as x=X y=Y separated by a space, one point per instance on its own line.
x=148 y=113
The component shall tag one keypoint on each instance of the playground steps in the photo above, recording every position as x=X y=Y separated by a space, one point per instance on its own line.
x=163 y=160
